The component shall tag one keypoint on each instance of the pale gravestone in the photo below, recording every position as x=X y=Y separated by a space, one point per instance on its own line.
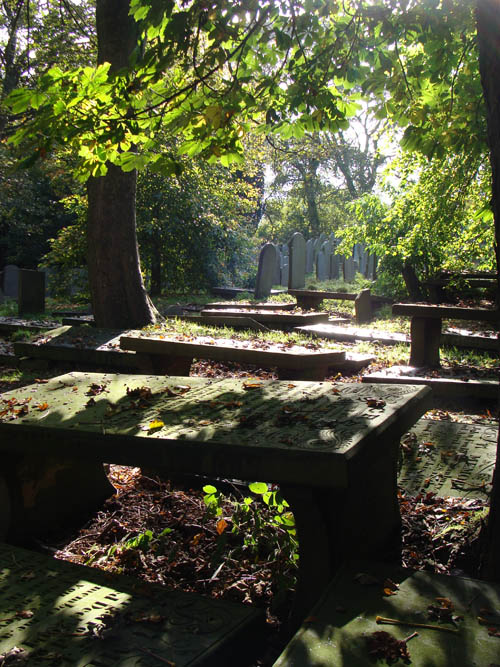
x=349 y=270
x=265 y=272
x=310 y=256
x=31 y=294
x=11 y=281
x=297 y=262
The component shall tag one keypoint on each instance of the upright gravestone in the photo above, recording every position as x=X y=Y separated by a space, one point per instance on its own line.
x=322 y=265
x=265 y=272
x=31 y=296
x=335 y=265
x=285 y=267
x=11 y=281
x=297 y=262
x=371 y=267
x=349 y=270
x=363 y=260
x=310 y=256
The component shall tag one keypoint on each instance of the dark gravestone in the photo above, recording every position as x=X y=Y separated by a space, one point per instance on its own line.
x=11 y=280
x=335 y=266
x=265 y=272
x=31 y=297
x=297 y=262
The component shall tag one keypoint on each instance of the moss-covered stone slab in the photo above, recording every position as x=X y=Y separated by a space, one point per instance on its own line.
x=82 y=345
x=276 y=318
x=338 y=631
x=448 y=458
x=65 y=614
x=169 y=355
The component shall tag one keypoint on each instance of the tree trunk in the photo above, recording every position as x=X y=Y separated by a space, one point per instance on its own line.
x=488 y=37
x=412 y=282
x=119 y=298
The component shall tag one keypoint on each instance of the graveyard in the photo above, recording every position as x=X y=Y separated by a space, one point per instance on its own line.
x=228 y=543
x=249 y=333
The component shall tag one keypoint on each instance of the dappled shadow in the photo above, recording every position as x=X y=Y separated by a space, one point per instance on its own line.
x=63 y=613
x=338 y=629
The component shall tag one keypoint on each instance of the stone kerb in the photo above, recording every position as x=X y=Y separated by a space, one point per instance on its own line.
x=297 y=262
x=11 y=281
x=265 y=272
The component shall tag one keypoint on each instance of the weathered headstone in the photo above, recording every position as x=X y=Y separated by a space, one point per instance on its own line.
x=363 y=307
x=31 y=293
x=310 y=256
x=321 y=266
x=335 y=266
x=11 y=281
x=265 y=272
x=371 y=268
x=349 y=270
x=297 y=262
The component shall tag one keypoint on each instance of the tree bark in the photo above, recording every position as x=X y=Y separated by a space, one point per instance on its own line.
x=119 y=298
x=488 y=38
x=412 y=282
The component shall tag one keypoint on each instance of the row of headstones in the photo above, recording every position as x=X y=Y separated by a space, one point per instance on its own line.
x=289 y=263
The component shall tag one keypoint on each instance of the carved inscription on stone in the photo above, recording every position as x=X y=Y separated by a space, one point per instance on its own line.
x=448 y=458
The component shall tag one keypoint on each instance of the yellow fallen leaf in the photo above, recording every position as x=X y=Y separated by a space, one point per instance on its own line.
x=221 y=526
x=155 y=424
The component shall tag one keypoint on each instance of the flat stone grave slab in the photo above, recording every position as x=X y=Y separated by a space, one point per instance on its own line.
x=60 y=613
x=82 y=345
x=440 y=386
x=230 y=292
x=339 y=630
x=452 y=337
x=9 y=325
x=352 y=334
x=236 y=322
x=276 y=318
x=251 y=306
x=448 y=458
x=174 y=354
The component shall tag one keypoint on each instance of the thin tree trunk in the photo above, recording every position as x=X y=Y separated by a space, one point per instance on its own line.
x=119 y=298
x=412 y=282
x=488 y=37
